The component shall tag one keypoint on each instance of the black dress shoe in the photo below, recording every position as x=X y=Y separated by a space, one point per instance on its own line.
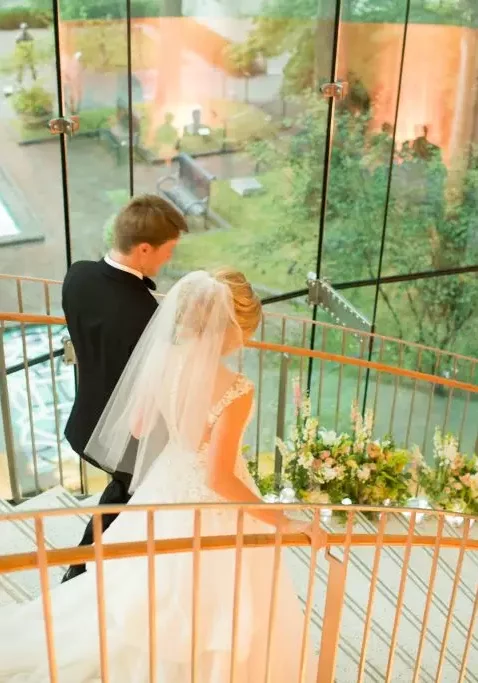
x=71 y=572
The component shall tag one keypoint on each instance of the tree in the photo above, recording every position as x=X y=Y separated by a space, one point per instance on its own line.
x=428 y=227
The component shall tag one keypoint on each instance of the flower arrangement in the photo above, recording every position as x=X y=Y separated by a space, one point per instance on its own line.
x=323 y=466
x=452 y=482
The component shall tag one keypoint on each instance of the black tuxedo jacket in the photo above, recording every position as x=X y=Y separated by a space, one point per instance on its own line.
x=106 y=311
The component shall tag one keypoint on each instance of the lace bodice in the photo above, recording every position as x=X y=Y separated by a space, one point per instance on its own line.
x=240 y=387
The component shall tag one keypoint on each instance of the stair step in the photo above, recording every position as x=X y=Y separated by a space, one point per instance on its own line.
x=19 y=536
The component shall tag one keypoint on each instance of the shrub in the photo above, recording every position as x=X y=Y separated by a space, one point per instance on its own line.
x=12 y=17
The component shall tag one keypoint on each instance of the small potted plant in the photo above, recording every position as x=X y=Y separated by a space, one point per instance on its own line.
x=33 y=105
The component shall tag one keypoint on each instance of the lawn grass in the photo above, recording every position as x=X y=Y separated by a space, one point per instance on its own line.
x=252 y=219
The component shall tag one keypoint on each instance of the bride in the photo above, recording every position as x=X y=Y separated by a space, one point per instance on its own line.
x=188 y=413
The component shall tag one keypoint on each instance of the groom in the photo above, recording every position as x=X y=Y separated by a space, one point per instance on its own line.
x=107 y=306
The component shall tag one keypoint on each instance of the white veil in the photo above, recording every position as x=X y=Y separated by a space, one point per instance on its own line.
x=165 y=392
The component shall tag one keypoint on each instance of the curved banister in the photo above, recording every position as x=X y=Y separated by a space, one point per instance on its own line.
x=79 y=555
x=27 y=318
x=30 y=319
x=363 y=334
x=60 y=557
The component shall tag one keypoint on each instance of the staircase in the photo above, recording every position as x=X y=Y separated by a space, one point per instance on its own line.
x=66 y=531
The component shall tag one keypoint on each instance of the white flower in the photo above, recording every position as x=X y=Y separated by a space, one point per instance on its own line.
x=283 y=450
x=311 y=428
x=340 y=471
x=449 y=451
x=306 y=407
x=329 y=438
x=363 y=473
x=329 y=473
x=305 y=460
x=368 y=421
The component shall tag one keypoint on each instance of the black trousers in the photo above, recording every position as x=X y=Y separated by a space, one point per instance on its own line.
x=116 y=493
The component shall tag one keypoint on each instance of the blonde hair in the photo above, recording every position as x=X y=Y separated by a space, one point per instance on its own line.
x=247 y=305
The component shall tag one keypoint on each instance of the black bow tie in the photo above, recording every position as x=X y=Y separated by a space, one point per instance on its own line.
x=149 y=283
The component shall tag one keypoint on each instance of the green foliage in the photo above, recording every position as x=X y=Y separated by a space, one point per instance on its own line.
x=78 y=10
x=452 y=481
x=12 y=17
x=266 y=484
x=35 y=101
x=427 y=227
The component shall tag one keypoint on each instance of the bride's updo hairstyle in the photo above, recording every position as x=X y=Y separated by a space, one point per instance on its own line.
x=246 y=303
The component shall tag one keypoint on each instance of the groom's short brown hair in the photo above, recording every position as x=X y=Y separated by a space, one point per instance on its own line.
x=148 y=219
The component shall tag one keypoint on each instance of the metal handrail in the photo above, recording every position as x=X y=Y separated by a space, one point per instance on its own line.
x=363 y=334
x=27 y=318
x=60 y=557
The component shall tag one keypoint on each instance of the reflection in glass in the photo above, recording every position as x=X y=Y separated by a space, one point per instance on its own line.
x=369 y=54
x=31 y=202
x=238 y=95
x=93 y=42
x=440 y=312
x=432 y=213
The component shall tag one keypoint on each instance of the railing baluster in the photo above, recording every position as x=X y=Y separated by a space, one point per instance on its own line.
x=45 y=596
x=100 y=595
x=430 y=405
x=273 y=604
x=429 y=598
x=237 y=591
x=339 y=386
x=321 y=371
x=334 y=603
x=281 y=414
x=302 y=360
x=396 y=389
x=9 y=438
x=454 y=592
x=467 y=405
x=28 y=390
x=304 y=650
x=379 y=376
x=259 y=394
x=401 y=596
x=196 y=595
x=449 y=399
x=412 y=400
x=53 y=385
x=373 y=586
x=152 y=597
x=469 y=638
x=360 y=370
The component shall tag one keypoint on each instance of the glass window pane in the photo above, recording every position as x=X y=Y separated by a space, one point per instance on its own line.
x=335 y=386
x=434 y=195
x=31 y=197
x=369 y=54
x=234 y=132
x=441 y=313
x=94 y=70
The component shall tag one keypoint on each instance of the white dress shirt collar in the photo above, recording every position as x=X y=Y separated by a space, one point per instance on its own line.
x=120 y=266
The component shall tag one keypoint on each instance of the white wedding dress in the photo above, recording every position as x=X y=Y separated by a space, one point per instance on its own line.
x=174 y=477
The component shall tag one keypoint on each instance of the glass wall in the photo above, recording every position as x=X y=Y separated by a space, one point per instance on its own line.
x=32 y=226
x=220 y=106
